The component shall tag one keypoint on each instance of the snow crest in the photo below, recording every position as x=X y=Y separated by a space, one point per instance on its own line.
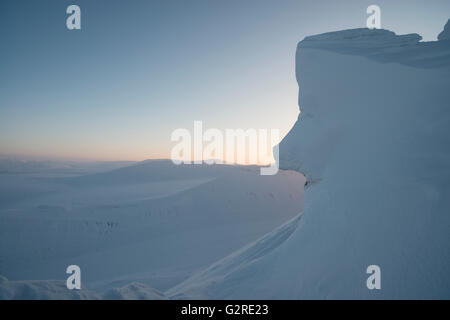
x=373 y=141
x=445 y=34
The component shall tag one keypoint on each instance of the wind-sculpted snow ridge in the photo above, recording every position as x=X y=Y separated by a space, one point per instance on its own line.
x=445 y=34
x=384 y=46
x=373 y=141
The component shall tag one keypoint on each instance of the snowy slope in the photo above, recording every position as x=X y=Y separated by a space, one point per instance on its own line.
x=153 y=222
x=373 y=140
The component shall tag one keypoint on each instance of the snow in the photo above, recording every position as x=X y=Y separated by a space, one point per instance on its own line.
x=40 y=290
x=134 y=291
x=57 y=290
x=152 y=224
x=40 y=167
x=373 y=142
x=383 y=46
x=445 y=34
x=222 y=271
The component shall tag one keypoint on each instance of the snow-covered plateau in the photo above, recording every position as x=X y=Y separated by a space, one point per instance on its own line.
x=134 y=231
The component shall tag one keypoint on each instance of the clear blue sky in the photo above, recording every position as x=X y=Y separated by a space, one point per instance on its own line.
x=140 y=69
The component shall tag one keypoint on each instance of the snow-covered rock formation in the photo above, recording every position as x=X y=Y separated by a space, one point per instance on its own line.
x=373 y=140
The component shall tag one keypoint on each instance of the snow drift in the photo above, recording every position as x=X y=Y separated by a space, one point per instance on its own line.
x=373 y=140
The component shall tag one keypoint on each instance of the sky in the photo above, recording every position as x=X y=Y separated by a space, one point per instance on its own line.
x=137 y=70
